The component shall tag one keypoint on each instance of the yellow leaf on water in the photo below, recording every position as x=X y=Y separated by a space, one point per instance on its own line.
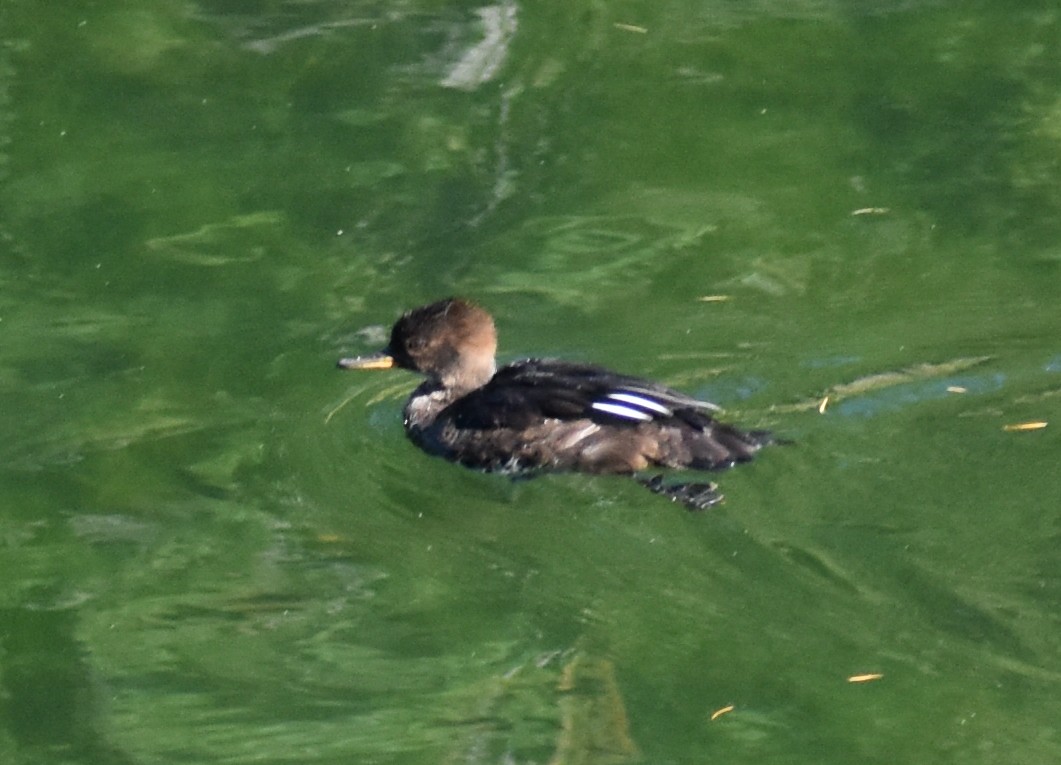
x=866 y=678
x=719 y=712
x=1035 y=425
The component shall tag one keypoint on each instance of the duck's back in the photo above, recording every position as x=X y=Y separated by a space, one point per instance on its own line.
x=546 y=414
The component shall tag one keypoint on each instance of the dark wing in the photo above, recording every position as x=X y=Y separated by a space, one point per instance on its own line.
x=526 y=392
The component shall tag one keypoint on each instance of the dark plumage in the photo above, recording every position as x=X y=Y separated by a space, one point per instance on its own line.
x=545 y=414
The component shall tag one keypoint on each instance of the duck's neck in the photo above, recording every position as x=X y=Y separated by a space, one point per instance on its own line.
x=434 y=395
x=425 y=404
x=471 y=372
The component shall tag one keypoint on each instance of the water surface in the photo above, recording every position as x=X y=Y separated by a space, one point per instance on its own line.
x=839 y=220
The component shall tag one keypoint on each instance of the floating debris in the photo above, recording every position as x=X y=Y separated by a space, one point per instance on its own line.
x=866 y=678
x=390 y=392
x=882 y=380
x=1020 y=426
x=719 y=712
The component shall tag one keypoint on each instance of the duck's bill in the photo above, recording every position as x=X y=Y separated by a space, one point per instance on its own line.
x=375 y=361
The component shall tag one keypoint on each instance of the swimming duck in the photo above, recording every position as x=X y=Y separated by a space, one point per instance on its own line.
x=542 y=415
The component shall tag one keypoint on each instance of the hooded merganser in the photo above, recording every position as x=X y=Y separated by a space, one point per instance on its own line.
x=540 y=415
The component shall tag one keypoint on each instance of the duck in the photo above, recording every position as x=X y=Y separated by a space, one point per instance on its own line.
x=543 y=415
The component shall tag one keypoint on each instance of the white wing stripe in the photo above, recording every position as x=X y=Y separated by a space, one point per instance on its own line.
x=641 y=401
x=674 y=398
x=620 y=410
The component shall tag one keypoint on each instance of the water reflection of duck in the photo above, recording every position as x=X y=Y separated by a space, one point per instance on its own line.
x=540 y=415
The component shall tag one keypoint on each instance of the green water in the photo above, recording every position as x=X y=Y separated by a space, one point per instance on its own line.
x=216 y=548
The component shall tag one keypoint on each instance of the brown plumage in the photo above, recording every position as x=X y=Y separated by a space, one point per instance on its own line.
x=545 y=414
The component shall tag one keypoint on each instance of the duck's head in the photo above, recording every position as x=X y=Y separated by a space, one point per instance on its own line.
x=452 y=341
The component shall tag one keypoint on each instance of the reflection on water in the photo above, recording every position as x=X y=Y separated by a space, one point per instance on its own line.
x=215 y=549
x=52 y=706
